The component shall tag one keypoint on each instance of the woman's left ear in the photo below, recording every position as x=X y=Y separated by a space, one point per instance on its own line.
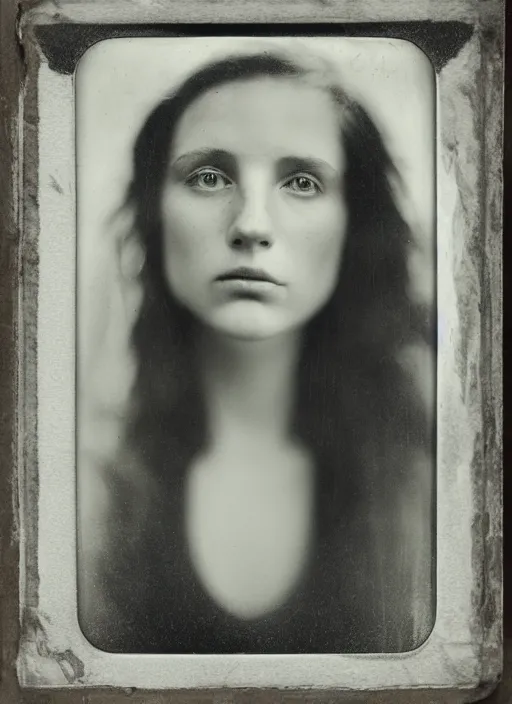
x=132 y=257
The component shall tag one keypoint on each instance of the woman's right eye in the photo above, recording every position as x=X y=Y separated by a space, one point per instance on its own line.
x=209 y=180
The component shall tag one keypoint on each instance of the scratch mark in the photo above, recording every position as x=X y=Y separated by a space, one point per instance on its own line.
x=36 y=632
x=56 y=185
x=71 y=666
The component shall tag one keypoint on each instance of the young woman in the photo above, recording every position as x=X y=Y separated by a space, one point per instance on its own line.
x=273 y=488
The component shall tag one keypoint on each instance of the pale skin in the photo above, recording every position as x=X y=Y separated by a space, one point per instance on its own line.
x=255 y=181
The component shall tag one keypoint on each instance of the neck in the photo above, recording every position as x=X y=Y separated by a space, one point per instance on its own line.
x=249 y=386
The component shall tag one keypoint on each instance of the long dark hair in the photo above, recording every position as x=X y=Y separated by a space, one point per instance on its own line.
x=359 y=410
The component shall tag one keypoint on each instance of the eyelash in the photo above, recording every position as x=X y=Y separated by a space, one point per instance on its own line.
x=193 y=181
x=308 y=177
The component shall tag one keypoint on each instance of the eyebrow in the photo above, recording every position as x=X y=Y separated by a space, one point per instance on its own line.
x=306 y=163
x=189 y=160
x=227 y=160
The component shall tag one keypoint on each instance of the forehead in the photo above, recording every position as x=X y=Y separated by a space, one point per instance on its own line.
x=262 y=117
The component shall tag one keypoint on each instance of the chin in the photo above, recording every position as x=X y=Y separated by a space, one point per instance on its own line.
x=247 y=333
x=249 y=325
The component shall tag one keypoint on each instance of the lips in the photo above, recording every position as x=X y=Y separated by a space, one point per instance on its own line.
x=248 y=274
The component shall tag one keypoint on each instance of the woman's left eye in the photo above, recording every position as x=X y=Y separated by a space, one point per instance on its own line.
x=303 y=185
x=208 y=180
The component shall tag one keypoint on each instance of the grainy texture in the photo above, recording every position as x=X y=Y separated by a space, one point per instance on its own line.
x=29 y=258
x=10 y=78
x=472 y=133
x=257 y=10
x=491 y=340
x=485 y=253
x=64 y=44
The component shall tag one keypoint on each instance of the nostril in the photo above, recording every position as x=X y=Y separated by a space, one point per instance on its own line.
x=249 y=240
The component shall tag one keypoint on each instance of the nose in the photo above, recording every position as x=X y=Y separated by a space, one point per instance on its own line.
x=252 y=226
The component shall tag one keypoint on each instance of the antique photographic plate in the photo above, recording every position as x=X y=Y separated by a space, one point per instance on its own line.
x=85 y=76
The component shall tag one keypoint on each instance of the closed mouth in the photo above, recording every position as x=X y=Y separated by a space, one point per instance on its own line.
x=248 y=274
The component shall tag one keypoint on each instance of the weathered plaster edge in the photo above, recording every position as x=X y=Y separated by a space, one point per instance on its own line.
x=159 y=11
x=11 y=81
x=28 y=490
x=491 y=132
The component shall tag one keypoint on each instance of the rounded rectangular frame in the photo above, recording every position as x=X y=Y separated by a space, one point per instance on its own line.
x=462 y=656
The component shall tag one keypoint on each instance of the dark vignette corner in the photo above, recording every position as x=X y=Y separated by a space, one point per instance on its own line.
x=64 y=44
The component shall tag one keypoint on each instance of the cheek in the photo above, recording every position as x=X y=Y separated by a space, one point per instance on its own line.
x=322 y=239
x=190 y=234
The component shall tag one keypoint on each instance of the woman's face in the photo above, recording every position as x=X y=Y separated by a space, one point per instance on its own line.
x=252 y=207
